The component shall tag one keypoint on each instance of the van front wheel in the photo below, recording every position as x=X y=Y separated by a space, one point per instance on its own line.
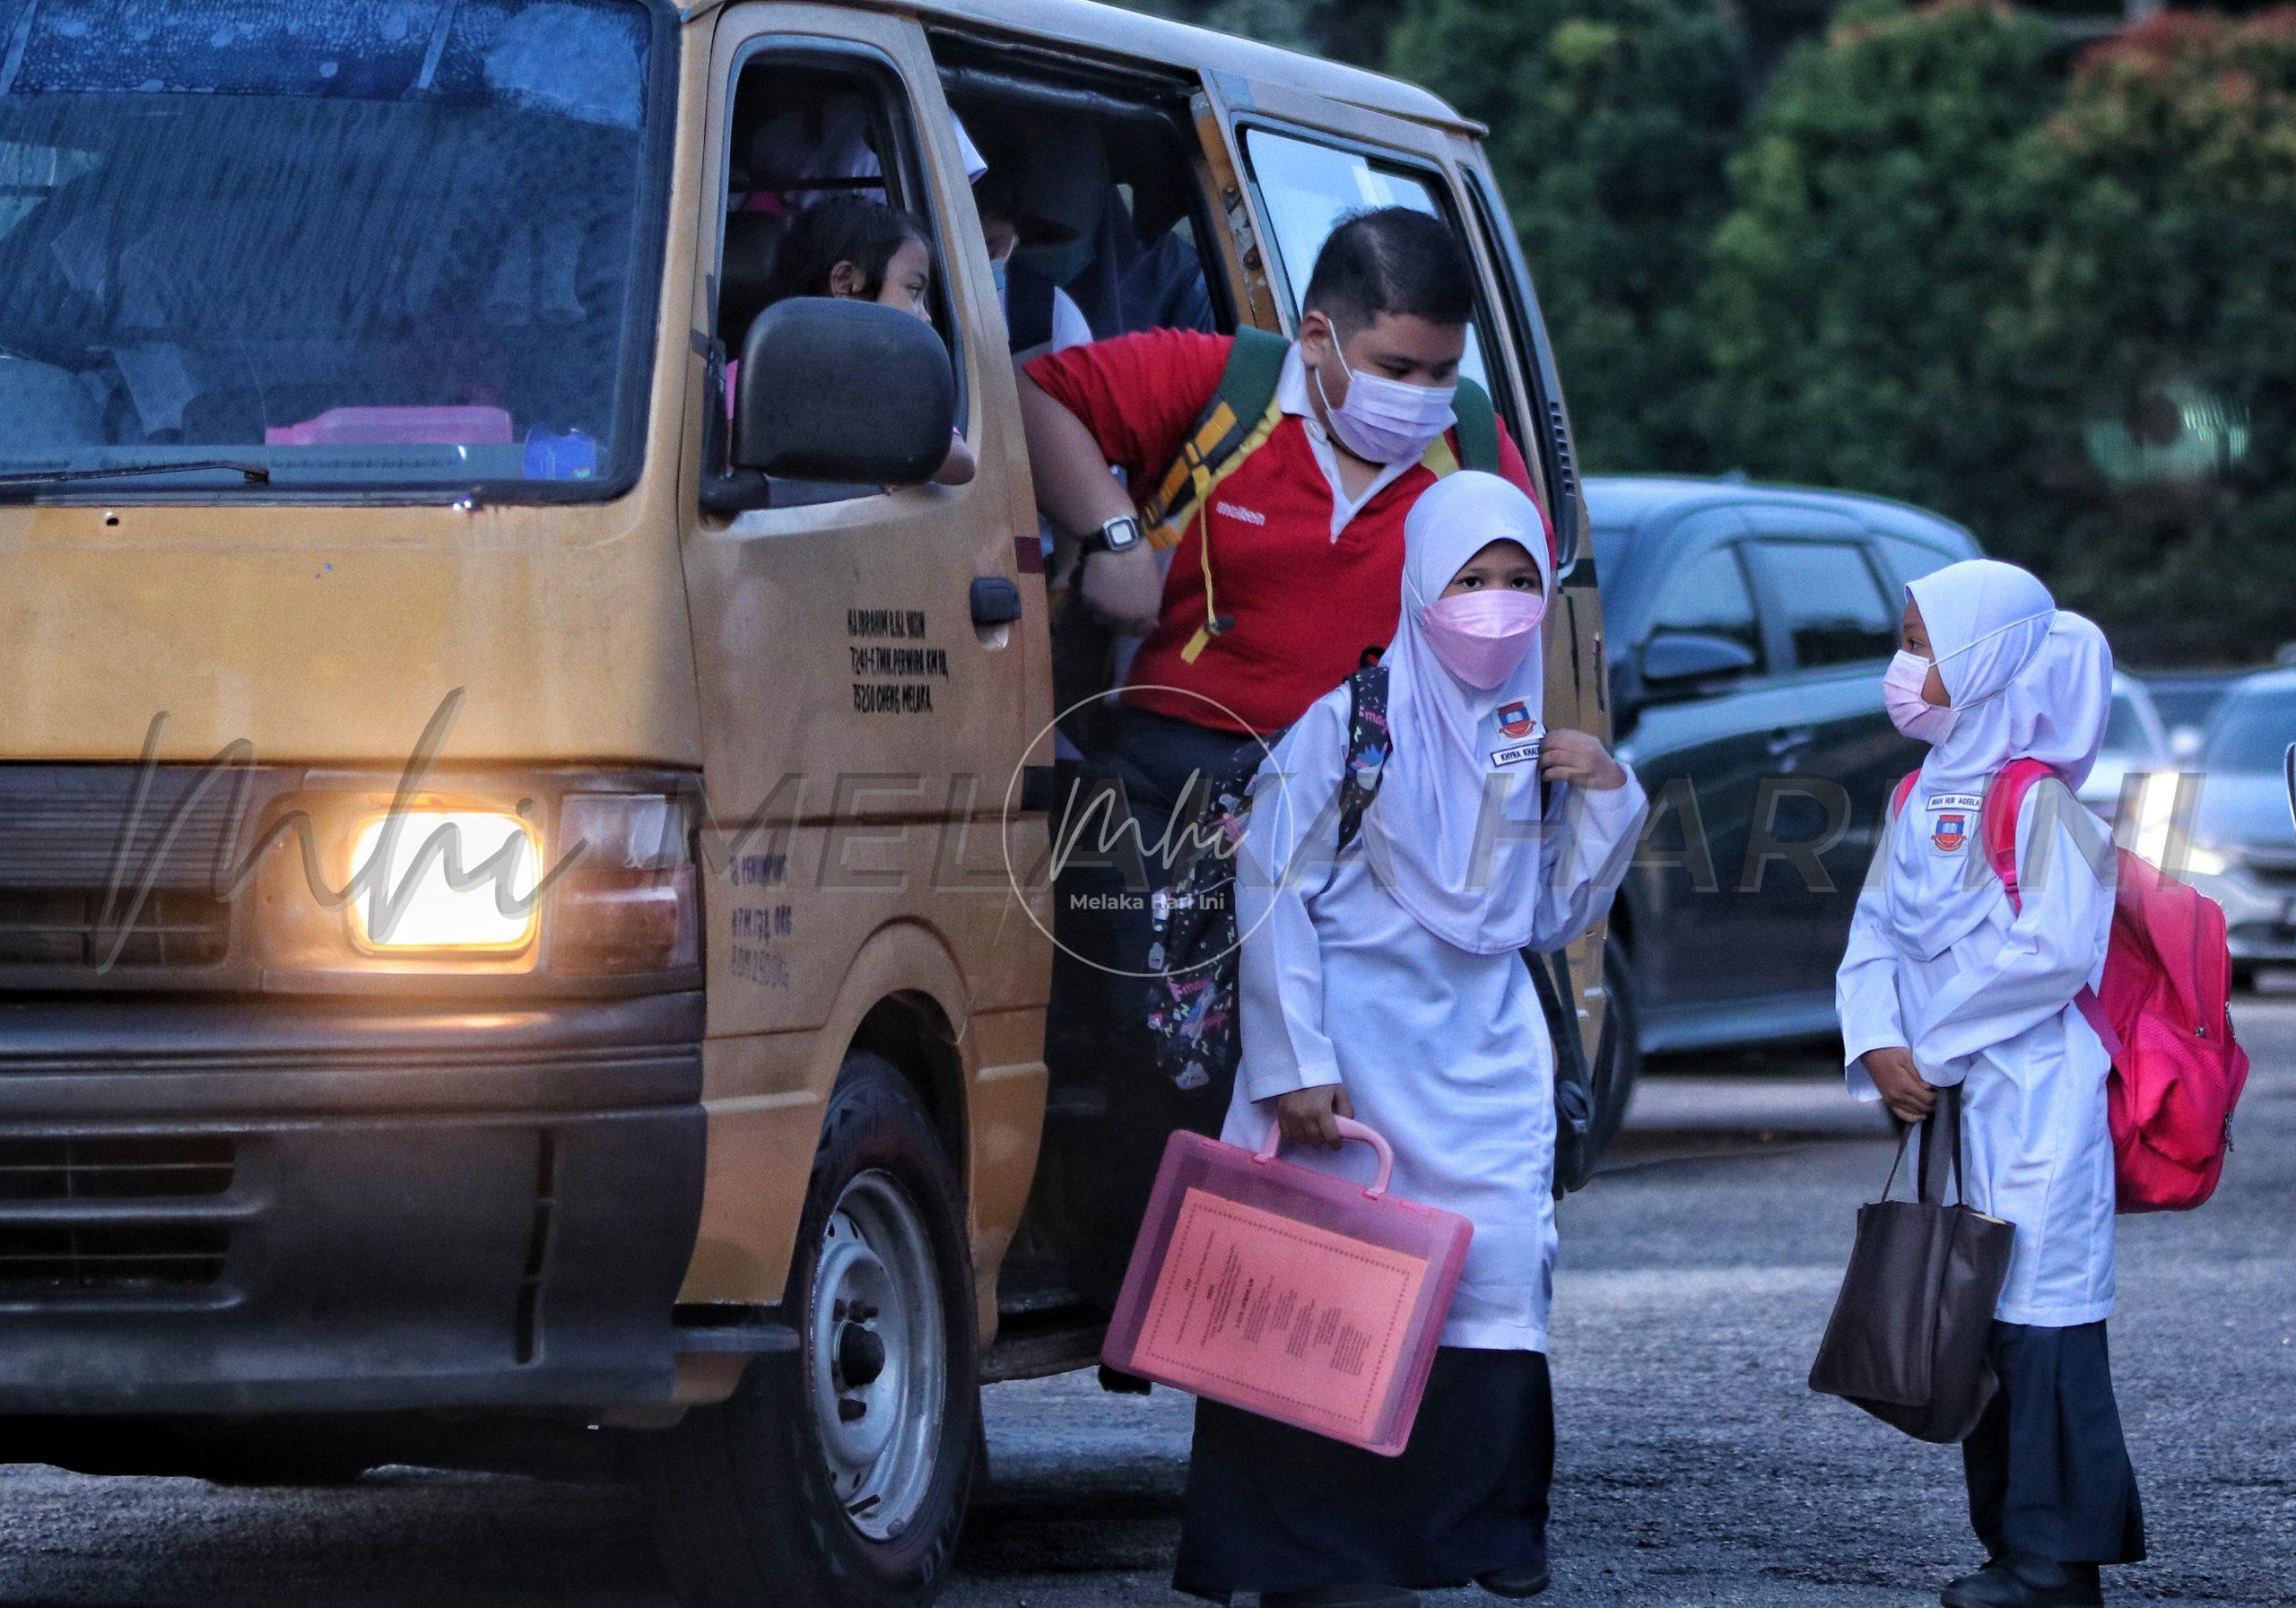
x=837 y=1476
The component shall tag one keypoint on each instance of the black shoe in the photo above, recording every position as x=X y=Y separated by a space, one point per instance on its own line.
x=2026 y=1582
x=1523 y=1580
x=1340 y=1596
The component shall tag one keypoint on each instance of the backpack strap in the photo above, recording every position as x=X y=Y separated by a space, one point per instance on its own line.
x=1236 y=420
x=1028 y=307
x=1473 y=440
x=1367 y=748
x=1905 y=791
x=2004 y=803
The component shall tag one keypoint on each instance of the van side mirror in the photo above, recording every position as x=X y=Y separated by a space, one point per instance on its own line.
x=843 y=390
x=1672 y=660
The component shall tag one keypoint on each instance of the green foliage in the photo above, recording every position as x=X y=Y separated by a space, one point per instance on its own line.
x=1877 y=234
x=1611 y=121
x=2160 y=337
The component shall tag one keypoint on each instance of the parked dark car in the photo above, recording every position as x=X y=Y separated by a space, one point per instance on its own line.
x=1747 y=629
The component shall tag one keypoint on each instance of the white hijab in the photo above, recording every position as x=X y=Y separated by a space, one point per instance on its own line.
x=1420 y=834
x=2029 y=681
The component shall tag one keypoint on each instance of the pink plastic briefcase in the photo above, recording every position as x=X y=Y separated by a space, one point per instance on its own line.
x=1288 y=1292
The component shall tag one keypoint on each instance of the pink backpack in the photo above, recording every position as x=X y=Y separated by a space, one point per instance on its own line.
x=2163 y=1015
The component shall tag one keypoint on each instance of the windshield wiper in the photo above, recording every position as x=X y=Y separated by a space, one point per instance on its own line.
x=252 y=473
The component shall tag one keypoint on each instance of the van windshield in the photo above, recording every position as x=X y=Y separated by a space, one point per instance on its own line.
x=376 y=248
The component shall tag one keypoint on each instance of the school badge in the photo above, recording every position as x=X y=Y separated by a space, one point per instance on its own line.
x=1514 y=719
x=1949 y=820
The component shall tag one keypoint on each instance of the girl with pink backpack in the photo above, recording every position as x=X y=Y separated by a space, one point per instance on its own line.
x=1953 y=979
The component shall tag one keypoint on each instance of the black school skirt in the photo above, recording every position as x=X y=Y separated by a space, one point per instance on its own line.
x=1271 y=1507
x=2048 y=1472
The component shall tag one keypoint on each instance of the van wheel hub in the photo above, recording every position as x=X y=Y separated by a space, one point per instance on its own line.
x=876 y=1361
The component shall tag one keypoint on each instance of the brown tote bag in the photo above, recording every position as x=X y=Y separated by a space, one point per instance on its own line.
x=1908 y=1338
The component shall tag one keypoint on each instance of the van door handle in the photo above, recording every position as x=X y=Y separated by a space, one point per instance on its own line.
x=1788 y=740
x=995 y=601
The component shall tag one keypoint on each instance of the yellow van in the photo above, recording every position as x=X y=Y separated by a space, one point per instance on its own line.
x=523 y=922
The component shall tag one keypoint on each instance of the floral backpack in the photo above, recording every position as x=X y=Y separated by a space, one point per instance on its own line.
x=1193 y=945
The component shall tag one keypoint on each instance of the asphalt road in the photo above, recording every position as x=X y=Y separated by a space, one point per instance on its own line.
x=1695 y=1467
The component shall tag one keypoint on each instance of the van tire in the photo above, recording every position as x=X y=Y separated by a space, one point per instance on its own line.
x=1618 y=1052
x=750 y=1496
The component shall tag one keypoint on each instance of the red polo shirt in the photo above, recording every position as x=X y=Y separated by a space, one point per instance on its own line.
x=1307 y=603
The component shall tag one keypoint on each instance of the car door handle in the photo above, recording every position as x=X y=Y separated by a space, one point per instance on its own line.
x=1790 y=740
x=995 y=601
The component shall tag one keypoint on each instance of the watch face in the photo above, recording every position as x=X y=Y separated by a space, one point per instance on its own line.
x=1121 y=533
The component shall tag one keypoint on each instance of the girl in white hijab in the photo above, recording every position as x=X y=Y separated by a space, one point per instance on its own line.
x=1946 y=984
x=1385 y=984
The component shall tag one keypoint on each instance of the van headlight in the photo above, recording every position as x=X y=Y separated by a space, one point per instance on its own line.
x=454 y=880
x=498 y=880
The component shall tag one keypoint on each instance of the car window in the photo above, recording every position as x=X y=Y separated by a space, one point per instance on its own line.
x=2252 y=733
x=1305 y=189
x=1831 y=603
x=808 y=131
x=1910 y=561
x=1708 y=595
x=2125 y=730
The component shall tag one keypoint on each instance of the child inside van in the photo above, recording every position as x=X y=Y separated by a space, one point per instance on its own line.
x=851 y=248
x=1387 y=984
x=1944 y=984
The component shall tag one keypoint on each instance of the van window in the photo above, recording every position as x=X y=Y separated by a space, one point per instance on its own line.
x=1107 y=202
x=1306 y=190
x=1709 y=596
x=1834 y=608
x=806 y=133
x=332 y=247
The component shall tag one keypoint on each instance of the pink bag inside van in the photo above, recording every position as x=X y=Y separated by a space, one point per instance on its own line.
x=1288 y=1292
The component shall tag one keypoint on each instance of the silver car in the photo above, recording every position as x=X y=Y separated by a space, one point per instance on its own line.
x=2242 y=850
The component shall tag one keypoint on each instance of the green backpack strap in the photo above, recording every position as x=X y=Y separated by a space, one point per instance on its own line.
x=1477 y=426
x=1235 y=420
x=1474 y=428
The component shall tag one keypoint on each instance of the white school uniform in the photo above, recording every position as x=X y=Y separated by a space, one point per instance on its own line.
x=1982 y=994
x=1442 y=1045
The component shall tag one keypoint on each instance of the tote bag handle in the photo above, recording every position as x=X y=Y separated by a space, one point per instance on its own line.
x=1939 y=1134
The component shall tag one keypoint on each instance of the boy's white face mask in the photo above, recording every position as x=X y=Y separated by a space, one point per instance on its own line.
x=1383 y=420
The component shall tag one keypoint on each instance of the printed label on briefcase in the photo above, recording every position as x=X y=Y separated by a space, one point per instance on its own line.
x=1280 y=1316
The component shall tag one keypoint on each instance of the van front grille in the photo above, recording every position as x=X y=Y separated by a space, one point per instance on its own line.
x=109 y=1258
x=85 y=1216
x=71 y=927
x=167 y=1167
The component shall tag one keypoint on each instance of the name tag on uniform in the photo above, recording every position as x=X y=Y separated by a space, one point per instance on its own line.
x=1518 y=753
x=1956 y=801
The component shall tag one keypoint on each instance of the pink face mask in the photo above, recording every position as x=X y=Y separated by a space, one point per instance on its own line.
x=1481 y=636
x=1910 y=711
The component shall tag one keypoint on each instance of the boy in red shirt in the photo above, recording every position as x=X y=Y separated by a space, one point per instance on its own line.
x=1307 y=533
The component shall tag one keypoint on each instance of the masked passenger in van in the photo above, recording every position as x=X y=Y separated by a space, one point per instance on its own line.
x=850 y=248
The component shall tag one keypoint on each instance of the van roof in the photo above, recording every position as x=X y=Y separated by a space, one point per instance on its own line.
x=1111 y=30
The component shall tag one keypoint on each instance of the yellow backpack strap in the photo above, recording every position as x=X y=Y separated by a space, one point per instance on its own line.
x=1212 y=623
x=1439 y=460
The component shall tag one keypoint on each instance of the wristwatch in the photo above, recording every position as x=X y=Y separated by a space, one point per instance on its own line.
x=1119 y=535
